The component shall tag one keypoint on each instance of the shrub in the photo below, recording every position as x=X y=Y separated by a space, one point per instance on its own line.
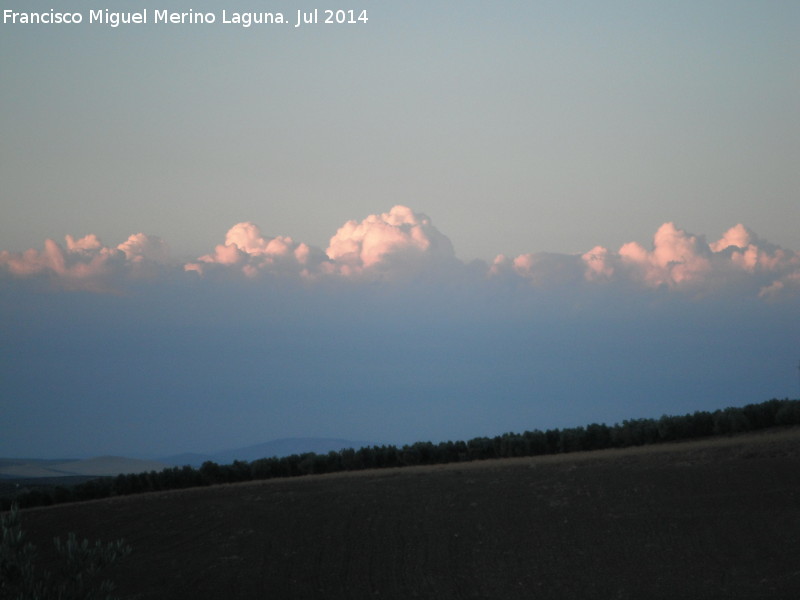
x=81 y=562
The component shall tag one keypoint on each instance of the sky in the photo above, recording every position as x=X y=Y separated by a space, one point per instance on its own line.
x=447 y=221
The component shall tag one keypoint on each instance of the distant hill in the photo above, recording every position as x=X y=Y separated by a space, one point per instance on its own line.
x=100 y=466
x=279 y=448
x=18 y=468
x=25 y=468
x=192 y=459
x=286 y=447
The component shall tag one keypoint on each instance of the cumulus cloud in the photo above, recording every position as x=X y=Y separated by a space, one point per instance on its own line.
x=676 y=257
x=139 y=248
x=598 y=264
x=247 y=250
x=677 y=260
x=750 y=253
x=399 y=239
x=380 y=246
x=540 y=269
x=85 y=263
x=402 y=244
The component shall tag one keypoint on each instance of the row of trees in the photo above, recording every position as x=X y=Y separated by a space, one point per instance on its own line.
x=635 y=432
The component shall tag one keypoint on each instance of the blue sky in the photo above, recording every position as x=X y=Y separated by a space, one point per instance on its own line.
x=540 y=148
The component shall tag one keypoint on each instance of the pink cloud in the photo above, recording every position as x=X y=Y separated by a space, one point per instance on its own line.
x=680 y=260
x=401 y=244
x=384 y=245
x=737 y=236
x=83 y=258
x=599 y=264
x=246 y=249
x=85 y=262
x=748 y=252
x=788 y=285
x=541 y=269
x=677 y=258
x=140 y=247
x=87 y=243
x=399 y=239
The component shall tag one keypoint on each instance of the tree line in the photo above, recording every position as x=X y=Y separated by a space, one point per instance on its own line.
x=633 y=432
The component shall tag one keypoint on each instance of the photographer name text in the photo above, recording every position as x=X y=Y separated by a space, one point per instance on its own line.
x=316 y=16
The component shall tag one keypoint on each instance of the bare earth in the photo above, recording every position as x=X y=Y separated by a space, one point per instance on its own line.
x=709 y=519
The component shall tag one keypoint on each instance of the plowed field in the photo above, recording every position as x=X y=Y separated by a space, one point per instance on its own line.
x=711 y=519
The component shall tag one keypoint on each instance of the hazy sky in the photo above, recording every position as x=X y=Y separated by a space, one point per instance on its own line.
x=519 y=126
x=596 y=158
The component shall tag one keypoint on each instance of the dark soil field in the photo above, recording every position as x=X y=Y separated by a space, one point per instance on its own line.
x=709 y=519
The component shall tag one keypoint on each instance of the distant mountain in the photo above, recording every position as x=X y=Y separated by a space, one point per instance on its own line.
x=114 y=465
x=100 y=466
x=187 y=458
x=285 y=447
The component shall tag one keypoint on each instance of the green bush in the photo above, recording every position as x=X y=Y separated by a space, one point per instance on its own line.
x=77 y=578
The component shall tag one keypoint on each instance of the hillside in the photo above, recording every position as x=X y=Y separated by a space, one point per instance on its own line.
x=99 y=466
x=709 y=519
